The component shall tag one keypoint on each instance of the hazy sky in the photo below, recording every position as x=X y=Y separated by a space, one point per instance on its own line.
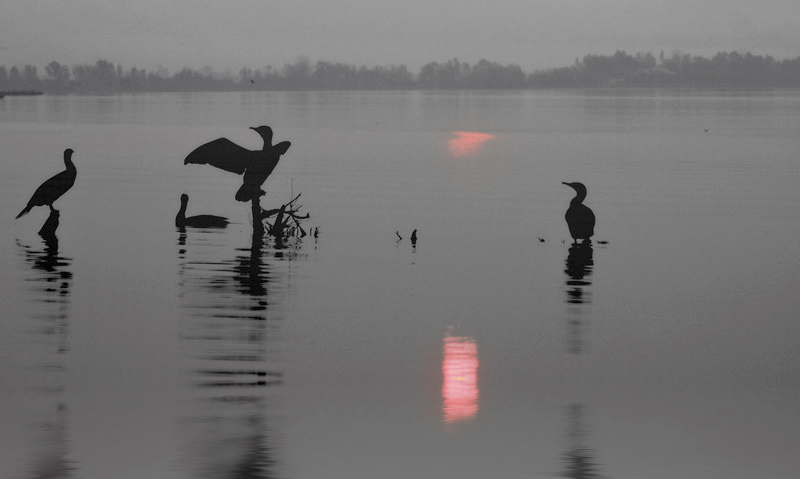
x=229 y=34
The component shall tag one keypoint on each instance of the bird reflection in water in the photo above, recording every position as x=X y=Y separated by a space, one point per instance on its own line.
x=231 y=334
x=49 y=289
x=580 y=461
x=460 y=384
x=579 y=267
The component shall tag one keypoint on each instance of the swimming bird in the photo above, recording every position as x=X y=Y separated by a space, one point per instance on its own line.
x=414 y=237
x=254 y=165
x=53 y=188
x=580 y=218
x=199 y=221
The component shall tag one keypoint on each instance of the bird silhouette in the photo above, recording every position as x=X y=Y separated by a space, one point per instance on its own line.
x=53 y=188
x=580 y=218
x=199 y=221
x=414 y=237
x=254 y=165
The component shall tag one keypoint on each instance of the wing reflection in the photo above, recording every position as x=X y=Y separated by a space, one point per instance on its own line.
x=579 y=267
x=460 y=385
x=467 y=143
x=232 y=336
x=48 y=315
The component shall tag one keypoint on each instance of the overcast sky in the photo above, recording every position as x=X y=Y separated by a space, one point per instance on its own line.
x=230 y=34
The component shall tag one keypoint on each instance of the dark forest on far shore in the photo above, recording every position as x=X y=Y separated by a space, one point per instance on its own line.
x=723 y=70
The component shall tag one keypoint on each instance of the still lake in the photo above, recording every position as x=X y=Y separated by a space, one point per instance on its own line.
x=493 y=348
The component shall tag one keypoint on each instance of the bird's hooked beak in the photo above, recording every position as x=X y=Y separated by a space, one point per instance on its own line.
x=264 y=131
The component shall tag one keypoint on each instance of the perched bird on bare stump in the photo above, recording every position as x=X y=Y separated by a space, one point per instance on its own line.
x=580 y=219
x=52 y=189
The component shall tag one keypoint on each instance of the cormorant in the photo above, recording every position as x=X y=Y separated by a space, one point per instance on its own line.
x=52 y=189
x=580 y=218
x=199 y=221
x=255 y=165
x=414 y=237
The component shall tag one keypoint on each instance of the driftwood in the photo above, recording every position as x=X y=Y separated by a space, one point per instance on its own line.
x=286 y=222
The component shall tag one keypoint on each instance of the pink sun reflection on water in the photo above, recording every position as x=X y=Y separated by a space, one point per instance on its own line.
x=467 y=143
x=460 y=387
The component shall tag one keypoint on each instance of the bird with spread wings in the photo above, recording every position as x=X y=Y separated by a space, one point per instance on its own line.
x=254 y=165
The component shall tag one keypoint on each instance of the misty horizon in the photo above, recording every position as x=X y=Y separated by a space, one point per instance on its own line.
x=228 y=72
x=723 y=70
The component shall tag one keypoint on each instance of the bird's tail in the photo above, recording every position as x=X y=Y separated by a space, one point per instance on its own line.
x=23 y=212
x=248 y=192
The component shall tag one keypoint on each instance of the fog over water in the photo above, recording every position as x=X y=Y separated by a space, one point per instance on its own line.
x=493 y=346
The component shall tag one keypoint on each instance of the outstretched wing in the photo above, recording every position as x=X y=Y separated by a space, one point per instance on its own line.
x=281 y=147
x=224 y=154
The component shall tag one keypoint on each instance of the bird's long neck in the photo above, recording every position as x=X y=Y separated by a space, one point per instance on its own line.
x=267 y=142
x=68 y=162
x=182 y=211
x=579 y=197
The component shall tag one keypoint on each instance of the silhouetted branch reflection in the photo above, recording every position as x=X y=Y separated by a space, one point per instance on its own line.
x=230 y=332
x=49 y=313
x=579 y=266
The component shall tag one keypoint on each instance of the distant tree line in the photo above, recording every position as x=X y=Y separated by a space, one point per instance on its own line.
x=723 y=70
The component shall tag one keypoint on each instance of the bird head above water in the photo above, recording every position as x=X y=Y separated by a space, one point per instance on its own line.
x=265 y=132
x=68 y=156
x=184 y=198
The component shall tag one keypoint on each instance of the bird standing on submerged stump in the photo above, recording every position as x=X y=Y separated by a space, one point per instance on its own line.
x=53 y=188
x=199 y=221
x=580 y=218
x=255 y=165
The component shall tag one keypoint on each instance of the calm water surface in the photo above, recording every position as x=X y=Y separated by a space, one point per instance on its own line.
x=129 y=349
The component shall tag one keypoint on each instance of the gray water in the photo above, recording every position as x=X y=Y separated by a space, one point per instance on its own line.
x=491 y=348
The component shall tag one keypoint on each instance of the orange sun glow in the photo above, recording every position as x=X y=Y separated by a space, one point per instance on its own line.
x=460 y=388
x=467 y=143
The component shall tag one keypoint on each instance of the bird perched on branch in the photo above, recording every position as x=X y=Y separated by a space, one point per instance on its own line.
x=580 y=219
x=52 y=189
x=199 y=221
x=254 y=165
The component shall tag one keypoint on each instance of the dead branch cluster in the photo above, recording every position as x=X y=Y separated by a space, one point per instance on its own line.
x=286 y=222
